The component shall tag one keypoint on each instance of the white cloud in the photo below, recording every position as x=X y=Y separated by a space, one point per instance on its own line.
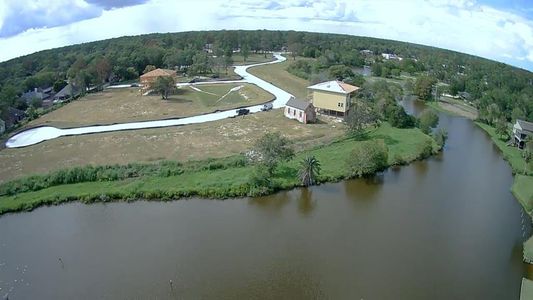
x=20 y=15
x=461 y=25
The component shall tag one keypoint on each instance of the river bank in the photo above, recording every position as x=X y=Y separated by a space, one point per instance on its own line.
x=522 y=187
x=370 y=238
x=221 y=178
x=455 y=108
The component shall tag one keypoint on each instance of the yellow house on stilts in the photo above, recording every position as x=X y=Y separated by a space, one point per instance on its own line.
x=332 y=97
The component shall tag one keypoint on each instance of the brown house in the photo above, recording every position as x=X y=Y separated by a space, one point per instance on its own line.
x=149 y=78
x=302 y=111
x=332 y=97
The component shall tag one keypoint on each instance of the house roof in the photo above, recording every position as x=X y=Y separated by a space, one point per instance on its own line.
x=528 y=126
x=334 y=86
x=158 y=73
x=299 y=104
x=68 y=90
x=33 y=94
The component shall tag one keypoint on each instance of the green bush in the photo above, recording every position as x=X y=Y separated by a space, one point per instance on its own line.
x=90 y=174
x=368 y=158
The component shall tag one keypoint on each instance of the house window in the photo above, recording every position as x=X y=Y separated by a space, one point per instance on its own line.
x=289 y=110
x=300 y=114
x=340 y=104
x=294 y=112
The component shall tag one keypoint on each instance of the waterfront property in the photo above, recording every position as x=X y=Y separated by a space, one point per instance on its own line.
x=149 y=78
x=332 y=97
x=303 y=111
x=521 y=130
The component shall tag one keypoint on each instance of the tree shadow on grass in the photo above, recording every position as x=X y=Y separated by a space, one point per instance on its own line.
x=177 y=99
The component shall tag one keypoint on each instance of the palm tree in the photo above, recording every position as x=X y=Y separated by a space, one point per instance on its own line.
x=309 y=170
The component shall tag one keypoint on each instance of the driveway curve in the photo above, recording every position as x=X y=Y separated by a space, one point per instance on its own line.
x=39 y=134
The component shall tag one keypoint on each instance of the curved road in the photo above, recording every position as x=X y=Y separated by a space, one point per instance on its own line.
x=44 y=133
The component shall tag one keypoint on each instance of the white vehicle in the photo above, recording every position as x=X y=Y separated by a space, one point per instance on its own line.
x=267 y=106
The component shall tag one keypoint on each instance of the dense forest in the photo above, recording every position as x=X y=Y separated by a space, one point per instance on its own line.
x=498 y=90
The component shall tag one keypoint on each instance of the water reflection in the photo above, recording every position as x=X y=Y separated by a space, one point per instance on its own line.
x=435 y=230
x=306 y=204
x=364 y=190
x=273 y=203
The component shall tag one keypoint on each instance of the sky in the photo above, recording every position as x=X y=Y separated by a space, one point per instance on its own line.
x=501 y=30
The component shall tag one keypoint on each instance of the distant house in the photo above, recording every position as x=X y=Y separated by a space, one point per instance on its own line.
x=366 y=52
x=149 y=78
x=521 y=130
x=391 y=56
x=66 y=93
x=11 y=117
x=208 y=48
x=39 y=94
x=2 y=126
x=303 y=111
x=332 y=97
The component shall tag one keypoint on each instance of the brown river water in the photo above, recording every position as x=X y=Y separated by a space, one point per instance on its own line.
x=444 y=228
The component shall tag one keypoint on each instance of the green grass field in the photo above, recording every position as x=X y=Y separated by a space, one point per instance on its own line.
x=526 y=291
x=253 y=58
x=277 y=74
x=523 y=191
x=221 y=95
x=219 y=183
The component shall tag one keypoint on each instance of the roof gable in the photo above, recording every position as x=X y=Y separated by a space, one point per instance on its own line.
x=68 y=90
x=299 y=104
x=527 y=126
x=334 y=86
x=159 y=72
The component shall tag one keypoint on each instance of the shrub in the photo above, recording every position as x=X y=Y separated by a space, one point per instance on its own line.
x=368 y=158
x=425 y=150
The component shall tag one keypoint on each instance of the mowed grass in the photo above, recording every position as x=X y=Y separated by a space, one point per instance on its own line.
x=526 y=290
x=192 y=142
x=220 y=96
x=220 y=183
x=523 y=191
x=128 y=105
x=277 y=74
x=253 y=58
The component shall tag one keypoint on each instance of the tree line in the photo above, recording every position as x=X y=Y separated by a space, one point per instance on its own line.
x=497 y=89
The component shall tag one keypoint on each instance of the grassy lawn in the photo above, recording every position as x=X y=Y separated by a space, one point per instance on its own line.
x=218 y=183
x=253 y=58
x=526 y=291
x=277 y=74
x=456 y=107
x=523 y=191
x=127 y=105
x=192 y=142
